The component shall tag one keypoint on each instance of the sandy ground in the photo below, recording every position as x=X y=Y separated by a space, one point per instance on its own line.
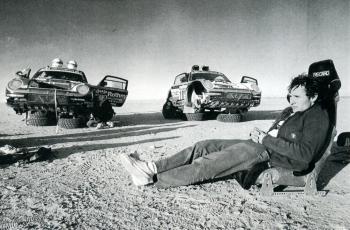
x=84 y=186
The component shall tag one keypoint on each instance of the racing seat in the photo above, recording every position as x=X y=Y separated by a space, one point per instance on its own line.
x=329 y=81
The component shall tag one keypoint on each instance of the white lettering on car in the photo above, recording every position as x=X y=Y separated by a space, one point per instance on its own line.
x=106 y=93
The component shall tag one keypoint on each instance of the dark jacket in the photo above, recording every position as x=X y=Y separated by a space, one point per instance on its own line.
x=300 y=138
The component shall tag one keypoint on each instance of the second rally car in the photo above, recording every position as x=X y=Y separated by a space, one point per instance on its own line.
x=202 y=90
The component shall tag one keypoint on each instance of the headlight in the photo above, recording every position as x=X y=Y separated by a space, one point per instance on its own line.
x=83 y=89
x=15 y=84
x=208 y=85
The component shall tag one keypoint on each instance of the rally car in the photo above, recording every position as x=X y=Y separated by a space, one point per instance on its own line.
x=202 y=90
x=62 y=93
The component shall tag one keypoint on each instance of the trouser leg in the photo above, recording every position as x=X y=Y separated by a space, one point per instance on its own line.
x=235 y=158
x=188 y=155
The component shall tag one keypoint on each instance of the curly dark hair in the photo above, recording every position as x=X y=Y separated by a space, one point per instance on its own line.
x=310 y=83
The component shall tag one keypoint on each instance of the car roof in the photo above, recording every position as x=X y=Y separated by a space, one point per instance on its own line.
x=205 y=71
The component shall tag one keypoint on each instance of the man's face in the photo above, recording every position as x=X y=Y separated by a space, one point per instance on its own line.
x=298 y=99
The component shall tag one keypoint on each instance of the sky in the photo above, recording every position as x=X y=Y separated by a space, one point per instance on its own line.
x=150 y=42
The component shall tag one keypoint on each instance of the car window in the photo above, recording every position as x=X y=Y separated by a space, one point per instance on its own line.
x=180 y=79
x=113 y=82
x=210 y=77
x=60 y=75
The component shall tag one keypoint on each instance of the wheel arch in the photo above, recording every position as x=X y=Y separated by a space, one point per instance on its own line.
x=196 y=86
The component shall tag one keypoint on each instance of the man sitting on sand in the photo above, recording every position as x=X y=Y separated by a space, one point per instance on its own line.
x=292 y=142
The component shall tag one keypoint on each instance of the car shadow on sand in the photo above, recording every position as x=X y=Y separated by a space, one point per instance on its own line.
x=99 y=135
x=66 y=151
x=145 y=119
x=338 y=160
x=157 y=117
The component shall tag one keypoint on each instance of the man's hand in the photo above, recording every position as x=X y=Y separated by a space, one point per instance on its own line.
x=257 y=135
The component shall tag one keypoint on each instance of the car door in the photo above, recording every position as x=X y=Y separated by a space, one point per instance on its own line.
x=179 y=86
x=112 y=88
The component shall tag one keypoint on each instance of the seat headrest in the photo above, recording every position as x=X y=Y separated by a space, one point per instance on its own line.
x=326 y=74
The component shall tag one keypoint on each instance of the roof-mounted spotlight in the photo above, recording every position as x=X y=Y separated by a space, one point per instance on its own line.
x=205 y=68
x=72 y=64
x=56 y=63
x=195 y=67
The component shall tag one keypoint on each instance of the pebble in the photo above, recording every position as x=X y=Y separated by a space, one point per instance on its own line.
x=11 y=188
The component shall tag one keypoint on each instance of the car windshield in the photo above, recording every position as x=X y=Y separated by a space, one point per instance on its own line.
x=60 y=75
x=210 y=77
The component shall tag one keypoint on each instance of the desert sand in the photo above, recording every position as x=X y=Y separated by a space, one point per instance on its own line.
x=84 y=186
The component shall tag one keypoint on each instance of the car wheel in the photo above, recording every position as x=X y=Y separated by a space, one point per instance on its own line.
x=195 y=116
x=70 y=123
x=40 y=118
x=231 y=117
x=198 y=114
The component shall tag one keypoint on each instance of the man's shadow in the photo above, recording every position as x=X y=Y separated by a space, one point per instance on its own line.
x=154 y=118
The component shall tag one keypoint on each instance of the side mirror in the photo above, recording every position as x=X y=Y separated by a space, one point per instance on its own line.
x=24 y=73
x=19 y=73
x=103 y=83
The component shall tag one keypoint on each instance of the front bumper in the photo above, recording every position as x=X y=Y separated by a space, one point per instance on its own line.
x=22 y=100
x=229 y=100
